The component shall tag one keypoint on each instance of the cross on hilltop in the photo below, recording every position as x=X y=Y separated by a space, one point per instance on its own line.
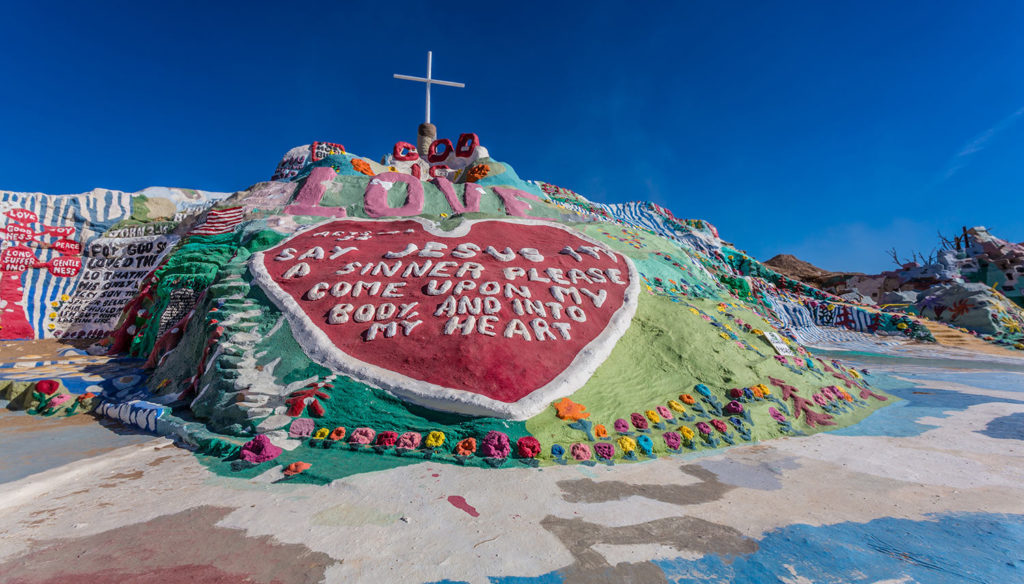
x=429 y=81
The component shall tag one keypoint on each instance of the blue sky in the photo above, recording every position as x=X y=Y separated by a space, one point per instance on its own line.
x=829 y=130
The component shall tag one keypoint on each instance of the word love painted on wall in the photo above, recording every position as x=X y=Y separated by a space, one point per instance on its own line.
x=496 y=317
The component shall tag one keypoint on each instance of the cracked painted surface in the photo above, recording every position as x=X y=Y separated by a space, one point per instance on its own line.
x=883 y=501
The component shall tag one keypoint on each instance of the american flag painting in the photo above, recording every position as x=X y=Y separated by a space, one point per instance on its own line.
x=219 y=221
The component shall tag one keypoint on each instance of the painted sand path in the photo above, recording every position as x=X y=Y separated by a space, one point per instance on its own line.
x=930 y=490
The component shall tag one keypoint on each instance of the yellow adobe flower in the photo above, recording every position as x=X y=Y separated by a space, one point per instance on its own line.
x=764 y=389
x=674 y=405
x=322 y=433
x=64 y=298
x=757 y=331
x=55 y=304
x=627 y=444
x=51 y=326
x=694 y=310
x=652 y=416
x=435 y=439
x=687 y=433
x=52 y=315
x=724 y=336
x=854 y=373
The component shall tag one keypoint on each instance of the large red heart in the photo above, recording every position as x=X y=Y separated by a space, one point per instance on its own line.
x=497 y=317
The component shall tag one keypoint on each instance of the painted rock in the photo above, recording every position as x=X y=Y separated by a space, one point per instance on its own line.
x=497 y=317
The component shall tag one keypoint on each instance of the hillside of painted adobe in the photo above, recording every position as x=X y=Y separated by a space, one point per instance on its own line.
x=350 y=314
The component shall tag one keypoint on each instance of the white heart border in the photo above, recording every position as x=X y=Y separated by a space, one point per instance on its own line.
x=321 y=349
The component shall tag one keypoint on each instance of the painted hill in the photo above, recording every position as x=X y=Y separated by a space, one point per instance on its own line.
x=350 y=314
x=973 y=283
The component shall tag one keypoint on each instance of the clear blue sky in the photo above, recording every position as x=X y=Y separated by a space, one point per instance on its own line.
x=825 y=130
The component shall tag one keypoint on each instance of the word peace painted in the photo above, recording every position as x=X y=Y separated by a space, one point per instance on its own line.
x=497 y=317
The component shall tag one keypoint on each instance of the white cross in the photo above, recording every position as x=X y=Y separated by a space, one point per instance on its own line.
x=429 y=81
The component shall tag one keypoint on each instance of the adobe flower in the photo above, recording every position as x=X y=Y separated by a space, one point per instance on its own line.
x=703 y=428
x=665 y=412
x=687 y=433
x=600 y=431
x=296 y=468
x=362 y=436
x=495 y=445
x=621 y=425
x=756 y=390
x=321 y=434
x=653 y=416
x=733 y=407
x=59 y=400
x=259 y=450
x=47 y=386
x=687 y=399
x=638 y=421
x=338 y=433
x=387 y=438
x=604 y=450
x=409 y=441
x=645 y=443
x=557 y=451
x=672 y=440
x=820 y=399
x=465 y=447
x=528 y=447
x=580 y=451
x=676 y=406
x=776 y=415
x=435 y=439
x=735 y=393
x=627 y=444
x=720 y=426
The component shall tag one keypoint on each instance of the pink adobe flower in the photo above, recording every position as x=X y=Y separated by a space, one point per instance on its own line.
x=495 y=445
x=703 y=428
x=621 y=425
x=60 y=399
x=781 y=359
x=720 y=426
x=819 y=398
x=776 y=415
x=409 y=441
x=580 y=451
x=664 y=412
x=362 y=436
x=259 y=450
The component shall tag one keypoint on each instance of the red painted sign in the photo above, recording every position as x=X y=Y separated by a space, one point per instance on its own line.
x=16 y=259
x=65 y=266
x=22 y=215
x=15 y=232
x=497 y=317
x=67 y=247
x=58 y=231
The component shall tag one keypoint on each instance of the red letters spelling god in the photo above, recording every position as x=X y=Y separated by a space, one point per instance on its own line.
x=497 y=317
